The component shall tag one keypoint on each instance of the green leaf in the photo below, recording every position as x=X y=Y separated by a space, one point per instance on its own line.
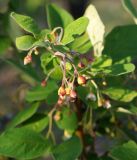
x=43 y=34
x=60 y=48
x=127 y=151
x=26 y=23
x=25 y=144
x=81 y=44
x=68 y=150
x=82 y=93
x=50 y=64
x=130 y=9
x=25 y=42
x=121 y=42
x=58 y=17
x=57 y=73
x=38 y=122
x=75 y=29
x=120 y=94
x=52 y=98
x=119 y=69
x=39 y=93
x=4 y=44
x=101 y=62
x=113 y=70
x=95 y=29
x=23 y=115
x=68 y=120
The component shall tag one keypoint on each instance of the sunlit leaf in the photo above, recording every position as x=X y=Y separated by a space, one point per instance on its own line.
x=120 y=94
x=95 y=29
x=25 y=42
x=26 y=23
x=75 y=29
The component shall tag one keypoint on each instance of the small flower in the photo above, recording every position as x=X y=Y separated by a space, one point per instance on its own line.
x=60 y=101
x=67 y=135
x=100 y=102
x=81 y=80
x=36 y=52
x=104 y=83
x=107 y=104
x=73 y=94
x=81 y=65
x=61 y=91
x=67 y=91
x=43 y=83
x=91 y=96
x=57 y=116
x=27 y=59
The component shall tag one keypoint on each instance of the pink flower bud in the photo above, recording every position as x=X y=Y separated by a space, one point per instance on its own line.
x=27 y=59
x=43 y=83
x=107 y=104
x=81 y=65
x=61 y=91
x=81 y=80
x=73 y=94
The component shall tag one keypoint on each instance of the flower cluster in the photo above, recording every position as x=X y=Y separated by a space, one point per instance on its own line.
x=67 y=91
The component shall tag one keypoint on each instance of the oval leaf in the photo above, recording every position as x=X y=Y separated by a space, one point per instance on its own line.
x=22 y=143
x=121 y=42
x=120 y=94
x=25 y=42
x=41 y=93
x=68 y=150
x=75 y=29
x=127 y=151
x=68 y=120
x=119 y=69
x=38 y=122
x=95 y=29
x=24 y=115
x=26 y=23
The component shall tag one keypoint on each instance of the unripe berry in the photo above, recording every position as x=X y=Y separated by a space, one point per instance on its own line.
x=57 y=116
x=60 y=101
x=73 y=94
x=36 y=52
x=67 y=135
x=81 y=80
x=61 y=91
x=43 y=83
x=104 y=83
x=27 y=59
x=107 y=104
x=81 y=65
x=100 y=102
x=90 y=60
x=67 y=91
